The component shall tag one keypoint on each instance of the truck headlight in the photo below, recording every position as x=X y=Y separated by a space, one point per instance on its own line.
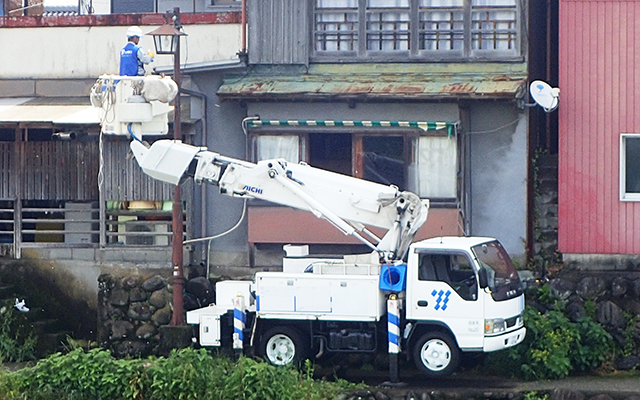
x=492 y=326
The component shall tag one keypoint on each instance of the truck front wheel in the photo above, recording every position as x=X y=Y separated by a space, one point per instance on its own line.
x=282 y=346
x=436 y=354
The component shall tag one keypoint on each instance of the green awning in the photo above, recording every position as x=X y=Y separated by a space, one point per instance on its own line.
x=425 y=126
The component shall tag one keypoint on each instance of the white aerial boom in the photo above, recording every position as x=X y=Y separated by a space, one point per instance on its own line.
x=348 y=203
x=137 y=106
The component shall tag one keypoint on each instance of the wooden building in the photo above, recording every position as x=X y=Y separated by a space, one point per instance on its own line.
x=599 y=127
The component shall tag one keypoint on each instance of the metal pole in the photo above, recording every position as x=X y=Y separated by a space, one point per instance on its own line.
x=393 y=330
x=178 y=273
x=239 y=320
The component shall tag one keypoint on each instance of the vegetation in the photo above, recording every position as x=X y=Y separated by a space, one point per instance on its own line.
x=186 y=374
x=555 y=346
x=17 y=342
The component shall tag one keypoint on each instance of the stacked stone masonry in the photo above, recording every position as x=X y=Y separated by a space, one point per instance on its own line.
x=546 y=208
x=132 y=308
x=616 y=297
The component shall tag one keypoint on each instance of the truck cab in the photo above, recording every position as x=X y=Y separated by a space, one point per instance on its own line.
x=463 y=293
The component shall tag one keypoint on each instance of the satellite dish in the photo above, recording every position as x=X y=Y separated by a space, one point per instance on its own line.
x=544 y=95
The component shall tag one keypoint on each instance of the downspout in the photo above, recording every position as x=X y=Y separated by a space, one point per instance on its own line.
x=244 y=26
x=203 y=192
x=242 y=54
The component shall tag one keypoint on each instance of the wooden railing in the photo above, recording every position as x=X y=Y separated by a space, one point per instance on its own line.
x=77 y=225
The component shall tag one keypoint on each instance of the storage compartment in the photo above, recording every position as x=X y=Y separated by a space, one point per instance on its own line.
x=210 y=330
x=328 y=297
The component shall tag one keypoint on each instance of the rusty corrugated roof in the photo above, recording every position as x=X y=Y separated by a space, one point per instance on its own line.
x=400 y=81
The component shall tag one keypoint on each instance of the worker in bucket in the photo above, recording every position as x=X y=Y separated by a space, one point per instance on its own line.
x=132 y=57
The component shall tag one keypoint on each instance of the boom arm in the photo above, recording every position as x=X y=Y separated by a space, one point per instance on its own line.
x=348 y=203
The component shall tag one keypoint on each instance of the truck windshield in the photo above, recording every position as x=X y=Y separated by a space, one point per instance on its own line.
x=502 y=276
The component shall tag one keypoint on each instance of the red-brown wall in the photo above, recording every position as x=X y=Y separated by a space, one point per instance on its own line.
x=599 y=80
x=286 y=225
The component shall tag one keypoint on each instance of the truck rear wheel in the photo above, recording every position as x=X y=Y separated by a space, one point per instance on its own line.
x=283 y=346
x=436 y=354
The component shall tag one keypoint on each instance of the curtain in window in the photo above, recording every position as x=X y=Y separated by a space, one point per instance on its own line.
x=433 y=171
x=493 y=24
x=441 y=25
x=336 y=25
x=278 y=146
x=388 y=25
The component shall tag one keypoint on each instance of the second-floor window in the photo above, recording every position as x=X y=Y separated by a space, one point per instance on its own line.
x=393 y=30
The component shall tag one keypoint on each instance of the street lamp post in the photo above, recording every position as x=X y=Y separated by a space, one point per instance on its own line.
x=167 y=41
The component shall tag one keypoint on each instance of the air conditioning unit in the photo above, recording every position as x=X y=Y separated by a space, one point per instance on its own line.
x=142 y=240
x=78 y=212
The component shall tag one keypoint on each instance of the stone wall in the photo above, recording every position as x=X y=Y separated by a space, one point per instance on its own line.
x=546 y=209
x=616 y=296
x=132 y=308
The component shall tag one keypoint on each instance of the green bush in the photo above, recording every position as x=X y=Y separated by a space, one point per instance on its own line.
x=555 y=347
x=17 y=342
x=81 y=375
x=185 y=375
x=10 y=385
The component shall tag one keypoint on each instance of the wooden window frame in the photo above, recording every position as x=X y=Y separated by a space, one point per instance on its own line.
x=624 y=195
x=357 y=163
x=417 y=50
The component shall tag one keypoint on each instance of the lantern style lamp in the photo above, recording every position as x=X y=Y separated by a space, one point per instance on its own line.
x=166 y=38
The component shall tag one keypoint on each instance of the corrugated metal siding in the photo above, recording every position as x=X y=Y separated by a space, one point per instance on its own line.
x=125 y=181
x=599 y=81
x=7 y=173
x=278 y=31
x=59 y=171
x=51 y=170
x=69 y=171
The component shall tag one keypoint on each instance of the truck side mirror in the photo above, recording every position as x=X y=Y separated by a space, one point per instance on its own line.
x=483 y=281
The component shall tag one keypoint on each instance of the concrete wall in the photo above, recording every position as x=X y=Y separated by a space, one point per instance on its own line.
x=72 y=285
x=498 y=167
x=88 y=51
x=219 y=212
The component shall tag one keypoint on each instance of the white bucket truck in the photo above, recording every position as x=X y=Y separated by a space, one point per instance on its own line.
x=452 y=294
x=432 y=299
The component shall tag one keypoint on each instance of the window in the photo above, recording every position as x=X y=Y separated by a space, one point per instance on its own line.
x=434 y=29
x=7 y=135
x=388 y=25
x=228 y=3
x=441 y=25
x=277 y=146
x=424 y=164
x=493 y=24
x=434 y=168
x=630 y=167
x=454 y=269
x=336 y=25
x=331 y=151
x=383 y=159
x=502 y=276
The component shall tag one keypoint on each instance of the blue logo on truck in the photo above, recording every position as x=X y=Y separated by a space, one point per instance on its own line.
x=252 y=189
x=442 y=298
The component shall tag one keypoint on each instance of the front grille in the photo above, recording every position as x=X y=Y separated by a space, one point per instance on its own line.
x=511 y=321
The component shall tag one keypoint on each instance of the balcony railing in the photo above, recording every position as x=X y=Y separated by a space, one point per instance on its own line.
x=77 y=225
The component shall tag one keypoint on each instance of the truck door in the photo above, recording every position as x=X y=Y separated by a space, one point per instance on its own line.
x=444 y=288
